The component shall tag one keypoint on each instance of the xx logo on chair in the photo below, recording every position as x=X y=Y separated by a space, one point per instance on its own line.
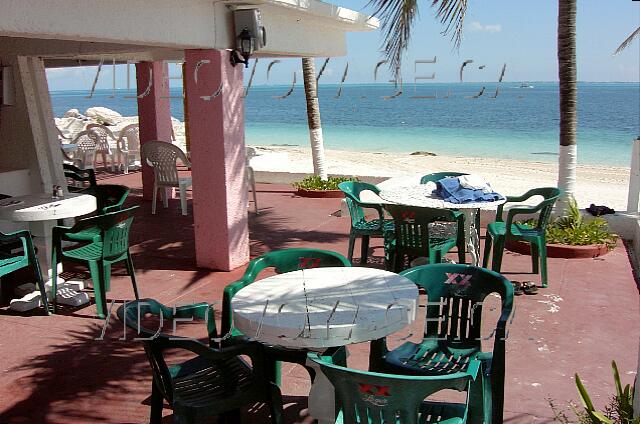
x=372 y=389
x=408 y=215
x=458 y=279
x=306 y=263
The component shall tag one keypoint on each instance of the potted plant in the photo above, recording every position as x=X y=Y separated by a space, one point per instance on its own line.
x=314 y=186
x=572 y=236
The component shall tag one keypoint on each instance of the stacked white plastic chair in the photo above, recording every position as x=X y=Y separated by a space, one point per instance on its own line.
x=87 y=143
x=128 y=146
x=163 y=157
x=103 y=148
x=251 y=179
x=64 y=140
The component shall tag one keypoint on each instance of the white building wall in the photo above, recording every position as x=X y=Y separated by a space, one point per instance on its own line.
x=27 y=135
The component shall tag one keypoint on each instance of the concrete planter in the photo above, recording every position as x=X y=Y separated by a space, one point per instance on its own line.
x=560 y=250
x=326 y=194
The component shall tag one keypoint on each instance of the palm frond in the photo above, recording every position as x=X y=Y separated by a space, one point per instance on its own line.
x=628 y=41
x=398 y=17
x=451 y=14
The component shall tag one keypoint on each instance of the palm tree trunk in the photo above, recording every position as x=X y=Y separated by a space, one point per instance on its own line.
x=313 y=117
x=567 y=71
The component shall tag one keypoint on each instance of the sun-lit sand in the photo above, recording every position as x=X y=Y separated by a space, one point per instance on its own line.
x=602 y=185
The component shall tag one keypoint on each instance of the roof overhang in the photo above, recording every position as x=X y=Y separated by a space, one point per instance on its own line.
x=121 y=30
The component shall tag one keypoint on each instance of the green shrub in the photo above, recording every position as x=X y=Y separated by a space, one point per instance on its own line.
x=313 y=182
x=574 y=230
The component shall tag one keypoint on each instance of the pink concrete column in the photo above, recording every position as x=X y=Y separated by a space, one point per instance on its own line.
x=216 y=134
x=154 y=111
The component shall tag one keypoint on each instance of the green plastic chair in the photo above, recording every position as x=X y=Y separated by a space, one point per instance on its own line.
x=452 y=335
x=81 y=177
x=499 y=231
x=104 y=241
x=110 y=197
x=376 y=398
x=360 y=226
x=436 y=176
x=214 y=382
x=16 y=252
x=282 y=261
x=422 y=232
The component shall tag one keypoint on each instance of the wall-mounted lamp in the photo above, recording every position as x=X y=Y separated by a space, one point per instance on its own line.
x=250 y=35
x=7 y=86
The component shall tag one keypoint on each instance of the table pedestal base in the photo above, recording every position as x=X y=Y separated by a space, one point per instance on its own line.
x=472 y=235
x=322 y=397
x=68 y=294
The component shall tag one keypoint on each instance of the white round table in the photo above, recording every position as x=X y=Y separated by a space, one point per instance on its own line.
x=43 y=207
x=325 y=307
x=41 y=211
x=422 y=196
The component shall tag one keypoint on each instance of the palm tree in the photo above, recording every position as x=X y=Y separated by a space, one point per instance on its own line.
x=313 y=117
x=397 y=16
x=567 y=71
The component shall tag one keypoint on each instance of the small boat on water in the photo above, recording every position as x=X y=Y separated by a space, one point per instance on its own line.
x=526 y=85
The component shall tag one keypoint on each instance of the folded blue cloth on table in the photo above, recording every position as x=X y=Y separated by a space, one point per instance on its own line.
x=451 y=191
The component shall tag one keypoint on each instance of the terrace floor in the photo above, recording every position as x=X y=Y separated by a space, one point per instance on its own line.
x=63 y=368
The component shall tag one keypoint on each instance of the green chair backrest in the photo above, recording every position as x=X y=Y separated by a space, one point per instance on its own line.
x=550 y=195
x=155 y=341
x=455 y=293
x=436 y=176
x=110 y=197
x=376 y=398
x=352 y=190
x=412 y=227
x=10 y=261
x=285 y=260
x=74 y=173
x=114 y=228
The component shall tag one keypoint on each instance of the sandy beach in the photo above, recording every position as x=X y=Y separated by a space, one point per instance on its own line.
x=602 y=185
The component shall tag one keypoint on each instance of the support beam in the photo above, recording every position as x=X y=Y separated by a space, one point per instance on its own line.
x=31 y=122
x=154 y=111
x=216 y=133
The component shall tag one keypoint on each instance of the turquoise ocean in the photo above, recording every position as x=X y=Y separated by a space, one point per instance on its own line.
x=520 y=123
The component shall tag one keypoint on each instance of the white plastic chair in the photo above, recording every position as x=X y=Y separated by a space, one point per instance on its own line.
x=163 y=157
x=251 y=178
x=128 y=146
x=86 y=145
x=103 y=148
x=64 y=140
x=61 y=137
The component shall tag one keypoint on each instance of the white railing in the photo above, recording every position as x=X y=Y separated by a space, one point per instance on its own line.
x=633 y=198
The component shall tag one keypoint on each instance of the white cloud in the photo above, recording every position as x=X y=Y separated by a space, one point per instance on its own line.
x=477 y=26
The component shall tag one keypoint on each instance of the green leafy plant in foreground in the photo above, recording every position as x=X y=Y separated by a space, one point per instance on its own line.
x=618 y=411
x=574 y=230
x=313 y=182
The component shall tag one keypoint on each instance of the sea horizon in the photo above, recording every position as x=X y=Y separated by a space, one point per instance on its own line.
x=300 y=83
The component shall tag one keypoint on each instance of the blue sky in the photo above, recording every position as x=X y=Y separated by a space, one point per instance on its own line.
x=520 y=33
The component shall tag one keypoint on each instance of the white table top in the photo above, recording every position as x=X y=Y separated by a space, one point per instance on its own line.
x=41 y=207
x=421 y=195
x=325 y=307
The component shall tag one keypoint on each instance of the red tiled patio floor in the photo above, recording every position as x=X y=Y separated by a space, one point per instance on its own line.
x=60 y=368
